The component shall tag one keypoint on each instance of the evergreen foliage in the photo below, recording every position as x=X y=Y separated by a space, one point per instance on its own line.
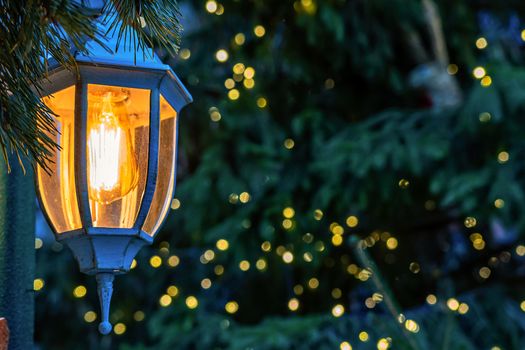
x=353 y=129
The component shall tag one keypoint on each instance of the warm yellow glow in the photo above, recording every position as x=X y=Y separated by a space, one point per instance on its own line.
x=486 y=81
x=352 y=221
x=470 y=222
x=172 y=291
x=481 y=43
x=266 y=246
x=479 y=72
x=244 y=265
x=363 y=336
x=90 y=316
x=391 y=243
x=383 y=344
x=112 y=165
x=503 y=157
x=139 y=316
x=120 y=328
x=133 y=264
x=219 y=270
x=463 y=308
x=206 y=283
x=79 y=291
x=412 y=326
x=522 y=306
x=289 y=143
x=222 y=244
x=261 y=102
x=337 y=240
x=173 y=261
x=431 y=299
x=259 y=31
x=293 y=304
x=155 y=261
x=222 y=55
x=234 y=94
x=338 y=310
x=192 y=302
x=239 y=39
x=38 y=243
x=313 y=283
x=165 y=300
x=38 y=284
x=260 y=264
x=211 y=6
x=231 y=307
x=453 y=304
x=345 y=346
x=288 y=257
x=452 y=69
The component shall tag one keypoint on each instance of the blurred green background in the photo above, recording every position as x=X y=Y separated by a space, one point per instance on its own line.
x=350 y=176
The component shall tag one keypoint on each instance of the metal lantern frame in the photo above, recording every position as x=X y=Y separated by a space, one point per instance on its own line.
x=107 y=251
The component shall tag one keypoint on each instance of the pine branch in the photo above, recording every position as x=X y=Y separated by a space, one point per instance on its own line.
x=34 y=31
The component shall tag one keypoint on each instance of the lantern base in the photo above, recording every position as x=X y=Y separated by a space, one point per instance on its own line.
x=105 y=252
x=105 y=290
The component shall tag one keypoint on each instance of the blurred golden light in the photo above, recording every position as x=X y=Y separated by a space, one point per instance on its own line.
x=234 y=94
x=463 y=308
x=261 y=102
x=211 y=6
x=411 y=326
x=249 y=83
x=244 y=197
x=249 y=73
x=165 y=300
x=155 y=261
x=229 y=83
x=239 y=68
x=431 y=299
x=222 y=244
x=79 y=291
x=337 y=240
x=391 y=243
x=260 y=264
x=289 y=143
x=244 y=265
x=363 y=336
x=352 y=221
x=308 y=257
x=206 y=283
x=222 y=55
x=499 y=203
x=90 y=316
x=503 y=157
x=288 y=212
x=192 y=302
x=470 y=222
x=298 y=289
x=266 y=246
x=383 y=344
x=209 y=255
x=172 y=291
x=484 y=272
x=313 y=283
x=479 y=72
x=520 y=250
x=481 y=43
x=173 y=261
x=185 y=54
x=239 y=39
x=288 y=257
x=293 y=304
x=38 y=284
x=219 y=270
x=453 y=304
x=38 y=243
x=259 y=31
x=139 y=316
x=338 y=310
x=452 y=69
x=486 y=81
x=345 y=346
x=231 y=307
x=119 y=329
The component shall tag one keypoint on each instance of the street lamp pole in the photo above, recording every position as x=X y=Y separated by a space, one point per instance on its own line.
x=17 y=253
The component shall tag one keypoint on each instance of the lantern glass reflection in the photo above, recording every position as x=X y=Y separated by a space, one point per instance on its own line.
x=117 y=153
x=166 y=168
x=57 y=188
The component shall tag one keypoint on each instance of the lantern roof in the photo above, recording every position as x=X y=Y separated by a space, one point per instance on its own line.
x=107 y=52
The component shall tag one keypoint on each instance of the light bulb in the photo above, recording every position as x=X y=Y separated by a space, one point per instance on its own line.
x=111 y=161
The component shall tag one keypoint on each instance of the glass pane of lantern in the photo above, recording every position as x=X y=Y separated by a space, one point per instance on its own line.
x=166 y=169
x=57 y=189
x=117 y=153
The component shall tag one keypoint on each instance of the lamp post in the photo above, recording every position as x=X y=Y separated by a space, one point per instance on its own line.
x=111 y=183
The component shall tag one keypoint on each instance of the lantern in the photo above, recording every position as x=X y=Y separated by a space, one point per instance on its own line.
x=110 y=185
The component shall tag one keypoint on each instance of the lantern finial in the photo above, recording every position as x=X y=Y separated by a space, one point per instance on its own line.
x=105 y=290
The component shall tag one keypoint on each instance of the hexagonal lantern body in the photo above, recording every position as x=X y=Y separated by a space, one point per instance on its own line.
x=110 y=185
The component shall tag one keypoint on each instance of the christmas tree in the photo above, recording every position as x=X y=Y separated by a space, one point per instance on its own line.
x=349 y=178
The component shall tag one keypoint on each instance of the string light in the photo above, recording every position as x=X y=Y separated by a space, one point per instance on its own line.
x=452 y=69
x=259 y=31
x=38 y=243
x=139 y=316
x=293 y=304
x=261 y=102
x=338 y=310
x=90 y=316
x=239 y=39
x=79 y=291
x=38 y=284
x=345 y=346
x=479 y=72
x=503 y=157
x=192 y=302
x=231 y=307
x=119 y=329
x=173 y=261
x=211 y=6
x=222 y=55
x=155 y=261
x=481 y=43
x=363 y=336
